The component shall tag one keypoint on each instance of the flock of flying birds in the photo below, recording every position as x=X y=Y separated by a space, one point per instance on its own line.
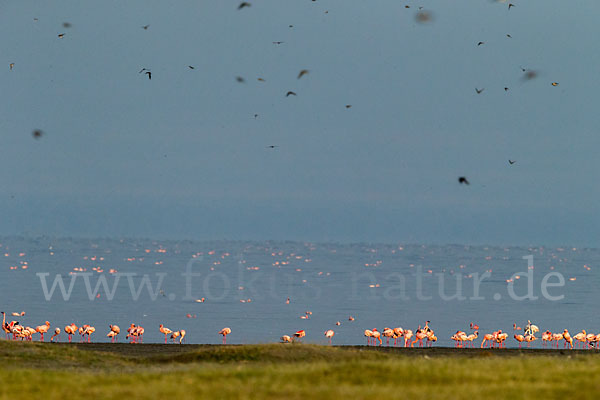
x=421 y=17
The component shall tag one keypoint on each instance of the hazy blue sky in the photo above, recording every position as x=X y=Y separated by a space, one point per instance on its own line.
x=182 y=156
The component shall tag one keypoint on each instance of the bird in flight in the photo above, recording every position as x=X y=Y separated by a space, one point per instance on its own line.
x=302 y=73
x=190 y=67
x=37 y=133
x=261 y=80
x=149 y=74
x=348 y=105
x=507 y=35
x=510 y=5
x=554 y=83
x=479 y=90
x=67 y=25
x=11 y=65
x=290 y=93
x=272 y=146
x=480 y=43
x=529 y=75
x=244 y=4
x=240 y=79
x=506 y=89
x=145 y=27
x=462 y=180
x=278 y=42
x=61 y=35
x=142 y=70
x=511 y=162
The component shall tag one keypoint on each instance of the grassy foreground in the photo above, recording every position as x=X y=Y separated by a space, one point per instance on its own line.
x=289 y=371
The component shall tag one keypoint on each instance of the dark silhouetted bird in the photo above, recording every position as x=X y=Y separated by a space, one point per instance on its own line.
x=11 y=65
x=554 y=83
x=67 y=25
x=480 y=43
x=37 y=133
x=510 y=5
x=479 y=90
x=302 y=73
x=423 y=17
x=142 y=70
x=240 y=79
x=290 y=93
x=149 y=74
x=348 y=105
x=271 y=146
x=261 y=80
x=61 y=35
x=462 y=180
x=529 y=74
x=507 y=35
x=511 y=162
x=278 y=42
x=506 y=89
x=190 y=67
x=145 y=27
x=244 y=4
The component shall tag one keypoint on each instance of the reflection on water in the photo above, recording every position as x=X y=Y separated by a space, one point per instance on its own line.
x=245 y=286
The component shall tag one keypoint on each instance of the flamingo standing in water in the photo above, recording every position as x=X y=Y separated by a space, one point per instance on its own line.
x=520 y=339
x=580 y=337
x=165 y=331
x=419 y=336
x=388 y=333
x=407 y=335
x=329 y=335
x=299 y=335
x=368 y=335
x=115 y=330
x=558 y=337
x=56 y=333
x=42 y=329
x=5 y=326
x=70 y=330
x=376 y=336
x=546 y=338
x=227 y=331
x=398 y=333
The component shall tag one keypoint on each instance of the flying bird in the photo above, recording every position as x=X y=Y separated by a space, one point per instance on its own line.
x=510 y=5
x=37 y=133
x=142 y=70
x=506 y=89
x=302 y=73
x=261 y=80
x=529 y=74
x=272 y=147
x=145 y=27
x=462 y=180
x=61 y=35
x=479 y=90
x=67 y=25
x=244 y=4
x=554 y=83
x=511 y=162
x=348 y=105
x=278 y=42
x=11 y=65
x=480 y=43
x=507 y=35
x=149 y=74
x=240 y=79
x=190 y=67
x=290 y=93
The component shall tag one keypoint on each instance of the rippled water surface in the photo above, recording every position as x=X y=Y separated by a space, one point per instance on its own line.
x=246 y=284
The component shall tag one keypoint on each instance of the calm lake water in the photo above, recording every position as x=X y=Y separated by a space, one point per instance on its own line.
x=393 y=285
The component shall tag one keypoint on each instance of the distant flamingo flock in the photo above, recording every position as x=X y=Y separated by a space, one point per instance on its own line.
x=423 y=336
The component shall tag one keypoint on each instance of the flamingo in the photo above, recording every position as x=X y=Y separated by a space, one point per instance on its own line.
x=520 y=339
x=546 y=337
x=559 y=336
x=56 y=333
x=329 y=335
x=227 y=331
x=388 y=333
x=580 y=337
x=568 y=339
x=531 y=329
x=500 y=338
x=431 y=338
x=116 y=330
x=590 y=338
x=474 y=326
x=111 y=335
x=529 y=339
x=407 y=335
x=516 y=328
x=175 y=335
x=470 y=338
x=182 y=333
x=376 y=336
x=488 y=338
x=42 y=329
x=286 y=339
x=368 y=335
x=5 y=326
x=70 y=330
x=17 y=314
x=419 y=336
x=398 y=333
x=165 y=331
x=89 y=331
